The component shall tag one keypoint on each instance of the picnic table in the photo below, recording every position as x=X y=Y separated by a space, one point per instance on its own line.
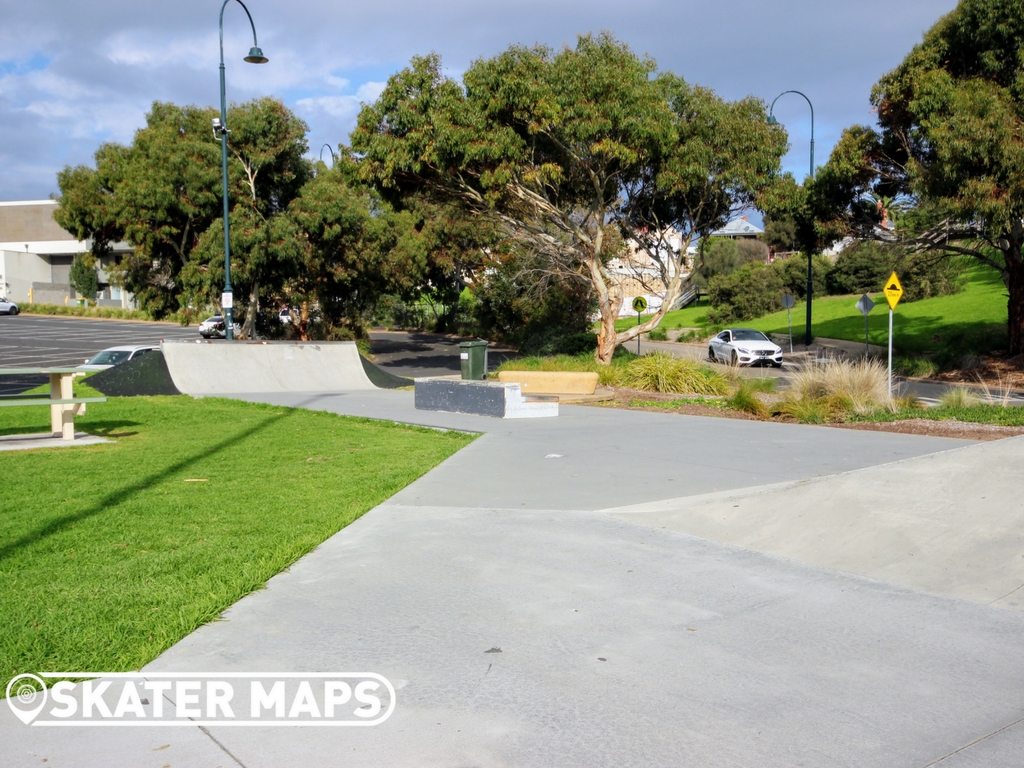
x=64 y=406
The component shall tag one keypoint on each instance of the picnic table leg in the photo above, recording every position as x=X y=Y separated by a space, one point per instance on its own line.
x=56 y=411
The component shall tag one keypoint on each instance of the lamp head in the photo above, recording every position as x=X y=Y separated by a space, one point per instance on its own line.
x=256 y=56
x=772 y=120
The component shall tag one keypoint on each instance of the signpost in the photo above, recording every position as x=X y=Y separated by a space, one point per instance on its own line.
x=893 y=293
x=788 y=301
x=865 y=305
x=639 y=305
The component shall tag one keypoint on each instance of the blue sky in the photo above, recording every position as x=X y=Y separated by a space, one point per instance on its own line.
x=74 y=74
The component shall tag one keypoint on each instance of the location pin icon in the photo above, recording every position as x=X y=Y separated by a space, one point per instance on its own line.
x=22 y=695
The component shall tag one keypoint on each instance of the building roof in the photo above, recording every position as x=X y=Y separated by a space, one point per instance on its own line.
x=738 y=228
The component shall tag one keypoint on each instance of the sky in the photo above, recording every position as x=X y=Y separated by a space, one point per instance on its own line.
x=75 y=74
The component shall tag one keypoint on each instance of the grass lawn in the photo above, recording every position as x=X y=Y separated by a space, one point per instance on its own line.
x=693 y=316
x=976 y=318
x=110 y=554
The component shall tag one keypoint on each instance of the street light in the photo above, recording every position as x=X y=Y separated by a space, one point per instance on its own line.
x=334 y=157
x=810 y=274
x=221 y=127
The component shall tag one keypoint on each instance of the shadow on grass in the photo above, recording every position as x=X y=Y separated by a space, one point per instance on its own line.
x=101 y=428
x=115 y=498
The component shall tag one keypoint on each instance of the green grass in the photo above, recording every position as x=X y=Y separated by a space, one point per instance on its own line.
x=693 y=316
x=975 y=317
x=109 y=555
x=982 y=414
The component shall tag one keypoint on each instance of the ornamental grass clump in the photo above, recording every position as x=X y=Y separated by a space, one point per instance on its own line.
x=744 y=398
x=860 y=386
x=658 y=372
x=958 y=397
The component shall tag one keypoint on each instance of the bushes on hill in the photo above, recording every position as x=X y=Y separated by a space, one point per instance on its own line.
x=749 y=292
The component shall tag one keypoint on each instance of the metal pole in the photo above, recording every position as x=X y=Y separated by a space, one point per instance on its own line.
x=890 y=353
x=867 y=351
x=789 y=316
x=638 y=335
x=229 y=332
x=810 y=273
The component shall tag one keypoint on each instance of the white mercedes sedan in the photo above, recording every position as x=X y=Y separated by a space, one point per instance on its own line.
x=744 y=346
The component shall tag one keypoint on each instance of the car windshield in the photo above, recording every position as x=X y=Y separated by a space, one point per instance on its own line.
x=110 y=357
x=745 y=334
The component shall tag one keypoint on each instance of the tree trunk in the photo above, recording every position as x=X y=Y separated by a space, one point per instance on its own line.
x=304 y=321
x=249 y=327
x=1014 y=276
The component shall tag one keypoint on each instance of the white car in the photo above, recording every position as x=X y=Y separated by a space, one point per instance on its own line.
x=8 y=307
x=213 y=328
x=744 y=346
x=108 y=358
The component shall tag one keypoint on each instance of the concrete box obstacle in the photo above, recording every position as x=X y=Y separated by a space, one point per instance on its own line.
x=483 y=398
x=241 y=367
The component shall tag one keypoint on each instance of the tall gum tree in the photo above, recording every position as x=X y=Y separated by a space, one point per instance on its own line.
x=563 y=150
x=950 y=144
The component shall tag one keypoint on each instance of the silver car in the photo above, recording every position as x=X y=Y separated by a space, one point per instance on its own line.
x=8 y=307
x=744 y=346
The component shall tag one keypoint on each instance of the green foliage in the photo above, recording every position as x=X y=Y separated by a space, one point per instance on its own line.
x=547 y=145
x=751 y=291
x=658 y=334
x=658 y=372
x=861 y=268
x=83 y=276
x=958 y=398
x=793 y=273
x=724 y=255
x=950 y=117
x=914 y=366
x=780 y=232
x=108 y=312
x=556 y=341
x=122 y=557
x=744 y=398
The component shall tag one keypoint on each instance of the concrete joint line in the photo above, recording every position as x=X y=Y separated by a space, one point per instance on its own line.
x=973 y=743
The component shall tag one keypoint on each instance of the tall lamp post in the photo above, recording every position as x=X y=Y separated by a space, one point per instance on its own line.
x=810 y=273
x=220 y=128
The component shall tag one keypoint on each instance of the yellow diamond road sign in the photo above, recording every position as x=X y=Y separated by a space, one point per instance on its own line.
x=893 y=290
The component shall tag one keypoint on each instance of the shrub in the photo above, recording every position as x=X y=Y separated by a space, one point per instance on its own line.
x=660 y=333
x=744 y=398
x=658 y=372
x=558 y=341
x=861 y=386
x=861 y=268
x=915 y=367
x=806 y=411
x=751 y=291
x=83 y=276
x=793 y=274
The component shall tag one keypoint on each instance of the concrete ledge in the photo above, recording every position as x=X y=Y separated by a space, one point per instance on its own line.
x=498 y=399
x=552 y=382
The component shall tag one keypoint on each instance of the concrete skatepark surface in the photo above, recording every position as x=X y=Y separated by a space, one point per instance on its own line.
x=626 y=640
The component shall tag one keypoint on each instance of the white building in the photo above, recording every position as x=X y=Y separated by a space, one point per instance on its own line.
x=36 y=255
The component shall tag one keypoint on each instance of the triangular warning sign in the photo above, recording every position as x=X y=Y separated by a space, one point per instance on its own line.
x=893 y=291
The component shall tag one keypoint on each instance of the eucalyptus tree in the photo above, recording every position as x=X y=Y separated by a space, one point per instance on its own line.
x=945 y=169
x=562 y=150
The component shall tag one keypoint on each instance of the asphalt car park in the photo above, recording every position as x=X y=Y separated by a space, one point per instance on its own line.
x=32 y=341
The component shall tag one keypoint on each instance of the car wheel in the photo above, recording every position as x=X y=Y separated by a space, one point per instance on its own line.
x=735 y=358
x=776 y=365
x=711 y=355
x=14 y=311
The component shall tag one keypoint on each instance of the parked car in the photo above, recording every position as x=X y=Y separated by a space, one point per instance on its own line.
x=744 y=346
x=284 y=316
x=108 y=358
x=213 y=328
x=8 y=307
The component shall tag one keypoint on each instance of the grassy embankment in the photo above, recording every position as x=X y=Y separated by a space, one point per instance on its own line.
x=110 y=554
x=974 y=319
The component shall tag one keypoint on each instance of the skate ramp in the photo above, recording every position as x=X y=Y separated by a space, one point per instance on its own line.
x=244 y=367
x=145 y=375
